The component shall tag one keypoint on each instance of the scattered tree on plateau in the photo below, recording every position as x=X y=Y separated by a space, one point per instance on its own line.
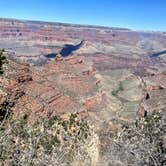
x=3 y=60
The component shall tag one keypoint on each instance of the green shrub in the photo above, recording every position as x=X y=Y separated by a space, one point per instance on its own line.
x=51 y=141
x=3 y=60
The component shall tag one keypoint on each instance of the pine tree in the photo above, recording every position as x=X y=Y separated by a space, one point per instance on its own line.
x=3 y=60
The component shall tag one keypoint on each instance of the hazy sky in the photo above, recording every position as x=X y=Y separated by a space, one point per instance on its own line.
x=135 y=14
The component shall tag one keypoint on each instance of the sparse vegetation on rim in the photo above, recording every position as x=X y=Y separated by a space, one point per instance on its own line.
x=3 y=60
x=140 y=144
x=69 y=140
x=51 y=141
x=58 y=141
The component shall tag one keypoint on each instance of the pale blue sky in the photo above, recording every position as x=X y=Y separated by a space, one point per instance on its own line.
x=134 y=14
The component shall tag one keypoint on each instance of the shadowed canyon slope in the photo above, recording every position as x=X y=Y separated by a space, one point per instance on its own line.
x=110 y=75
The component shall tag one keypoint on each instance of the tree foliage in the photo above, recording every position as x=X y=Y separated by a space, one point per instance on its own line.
x=3 y=60
x=53 y=141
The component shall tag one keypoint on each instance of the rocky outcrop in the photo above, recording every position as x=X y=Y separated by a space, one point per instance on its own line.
x=155 y=96
x=33 y=41
x=60 y=87
x=111 y=78
x=12 y=85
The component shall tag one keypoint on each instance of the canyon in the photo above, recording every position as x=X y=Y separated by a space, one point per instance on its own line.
x=110 y=76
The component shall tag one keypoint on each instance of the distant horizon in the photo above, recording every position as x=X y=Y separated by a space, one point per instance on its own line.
x=142 y=15
x=92 y=25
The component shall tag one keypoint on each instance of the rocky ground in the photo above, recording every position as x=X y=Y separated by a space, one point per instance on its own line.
x=110 y=80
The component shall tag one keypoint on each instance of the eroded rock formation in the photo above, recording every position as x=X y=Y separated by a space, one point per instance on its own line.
x=111 y=79
x=60 y=87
